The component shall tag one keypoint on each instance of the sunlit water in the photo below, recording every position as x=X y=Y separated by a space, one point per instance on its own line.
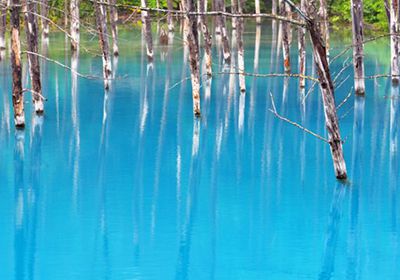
x=127 y=185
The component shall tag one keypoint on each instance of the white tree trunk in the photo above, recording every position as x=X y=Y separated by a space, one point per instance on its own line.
x=239 y=38
x=302 y=50
x=101 y=21
x=358 y=46
x=114 y=25
x=3 y=24
x=394 y=42
x=147 y=31
x=44 y=12
x=75 y=23
x=284 y=11
x=258 y=10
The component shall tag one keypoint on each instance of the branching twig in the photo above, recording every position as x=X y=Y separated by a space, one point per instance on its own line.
x=274 y=111
x=345 y=99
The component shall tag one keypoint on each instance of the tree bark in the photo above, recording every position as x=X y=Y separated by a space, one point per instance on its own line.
x=323 y=13
x=147 y=32
x=44 y=12
x=221 y=26
x=327 y=90
x=302 y=49
x=114 y=26
x=358 y=46
x=207 y=39
x=32 y=31
x=193 y=42
x=17 y=94
x=3 y=24
x=394 y=42
x=239 y=38
x=258 y=10
x=169 y=16
x=103 y=40
x=284 y=11
x=75 y=23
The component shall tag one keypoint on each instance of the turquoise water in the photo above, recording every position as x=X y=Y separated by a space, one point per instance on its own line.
x=127 y=185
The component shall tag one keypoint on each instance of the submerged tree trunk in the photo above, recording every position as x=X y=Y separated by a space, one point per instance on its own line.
x=394 y=42
x=192 y=40
x=169 y=16
x=32 y=29
x=114 y=26
x=302 y=50
x=221 y=26
x=258 y=10
x=358 y=48
x=147 y=31
x=44 y=12
x=3 y=24
x=17 y=93
x=284 y=12
x=207 y=39
x=75 y=22
x=327 y=90
x=239 y=38
x=103 y=40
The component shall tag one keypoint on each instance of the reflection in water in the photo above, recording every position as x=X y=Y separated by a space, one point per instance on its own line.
x=331 y=240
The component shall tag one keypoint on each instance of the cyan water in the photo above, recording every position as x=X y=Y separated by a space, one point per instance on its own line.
x=127 y=185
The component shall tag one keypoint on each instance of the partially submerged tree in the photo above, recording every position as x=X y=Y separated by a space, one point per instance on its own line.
x=114 y=27
x=75 y=24
x=16 y=65
x=358 y=47
x=221 y=29
x=207 y=38
x=193 y=42
x=44 y=12
x=103 y=40
x=32 y=31
x=394 y=42
x=284 y=10
x=147 y=31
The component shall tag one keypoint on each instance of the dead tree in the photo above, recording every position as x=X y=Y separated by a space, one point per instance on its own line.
x=324 y=25
x=3 y=24
x=75 y=23
x=44 y=12
x=207 y=39
x=32 y=31
x=193 y=42
x=284 y=10
x=394 y=42
x=239 y=38
x=302 y=50
x=169 y=16
x=358 y=48
x=114 y=27
x=103 y=40
x=321 y=62
x=258 y=10
x=221 y=29
x=147 y=32
x=274 y=8
x=17 y=93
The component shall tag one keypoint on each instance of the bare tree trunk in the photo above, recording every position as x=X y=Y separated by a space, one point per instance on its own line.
x=221 y=24
x=234 y=11
x=169 y=16
x=323 y=13
x=114 y=26
x=258 y=10
x=274 y=9
x=284 y=11
x=239 y=38
x=207 y=39
x=3 y=24
x=358 y=47
x=147 y=32
x=327 y=90
x=17 y=94
x=192 y=40
x=75 y=22
x=302 y=49
x=32 y=30
x=44 y=12
x=394 y=42
x=103 y=40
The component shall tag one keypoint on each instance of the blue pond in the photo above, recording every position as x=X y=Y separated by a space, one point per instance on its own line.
x=128 y=185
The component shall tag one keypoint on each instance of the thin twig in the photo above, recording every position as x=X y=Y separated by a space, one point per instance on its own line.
x=273 y=111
